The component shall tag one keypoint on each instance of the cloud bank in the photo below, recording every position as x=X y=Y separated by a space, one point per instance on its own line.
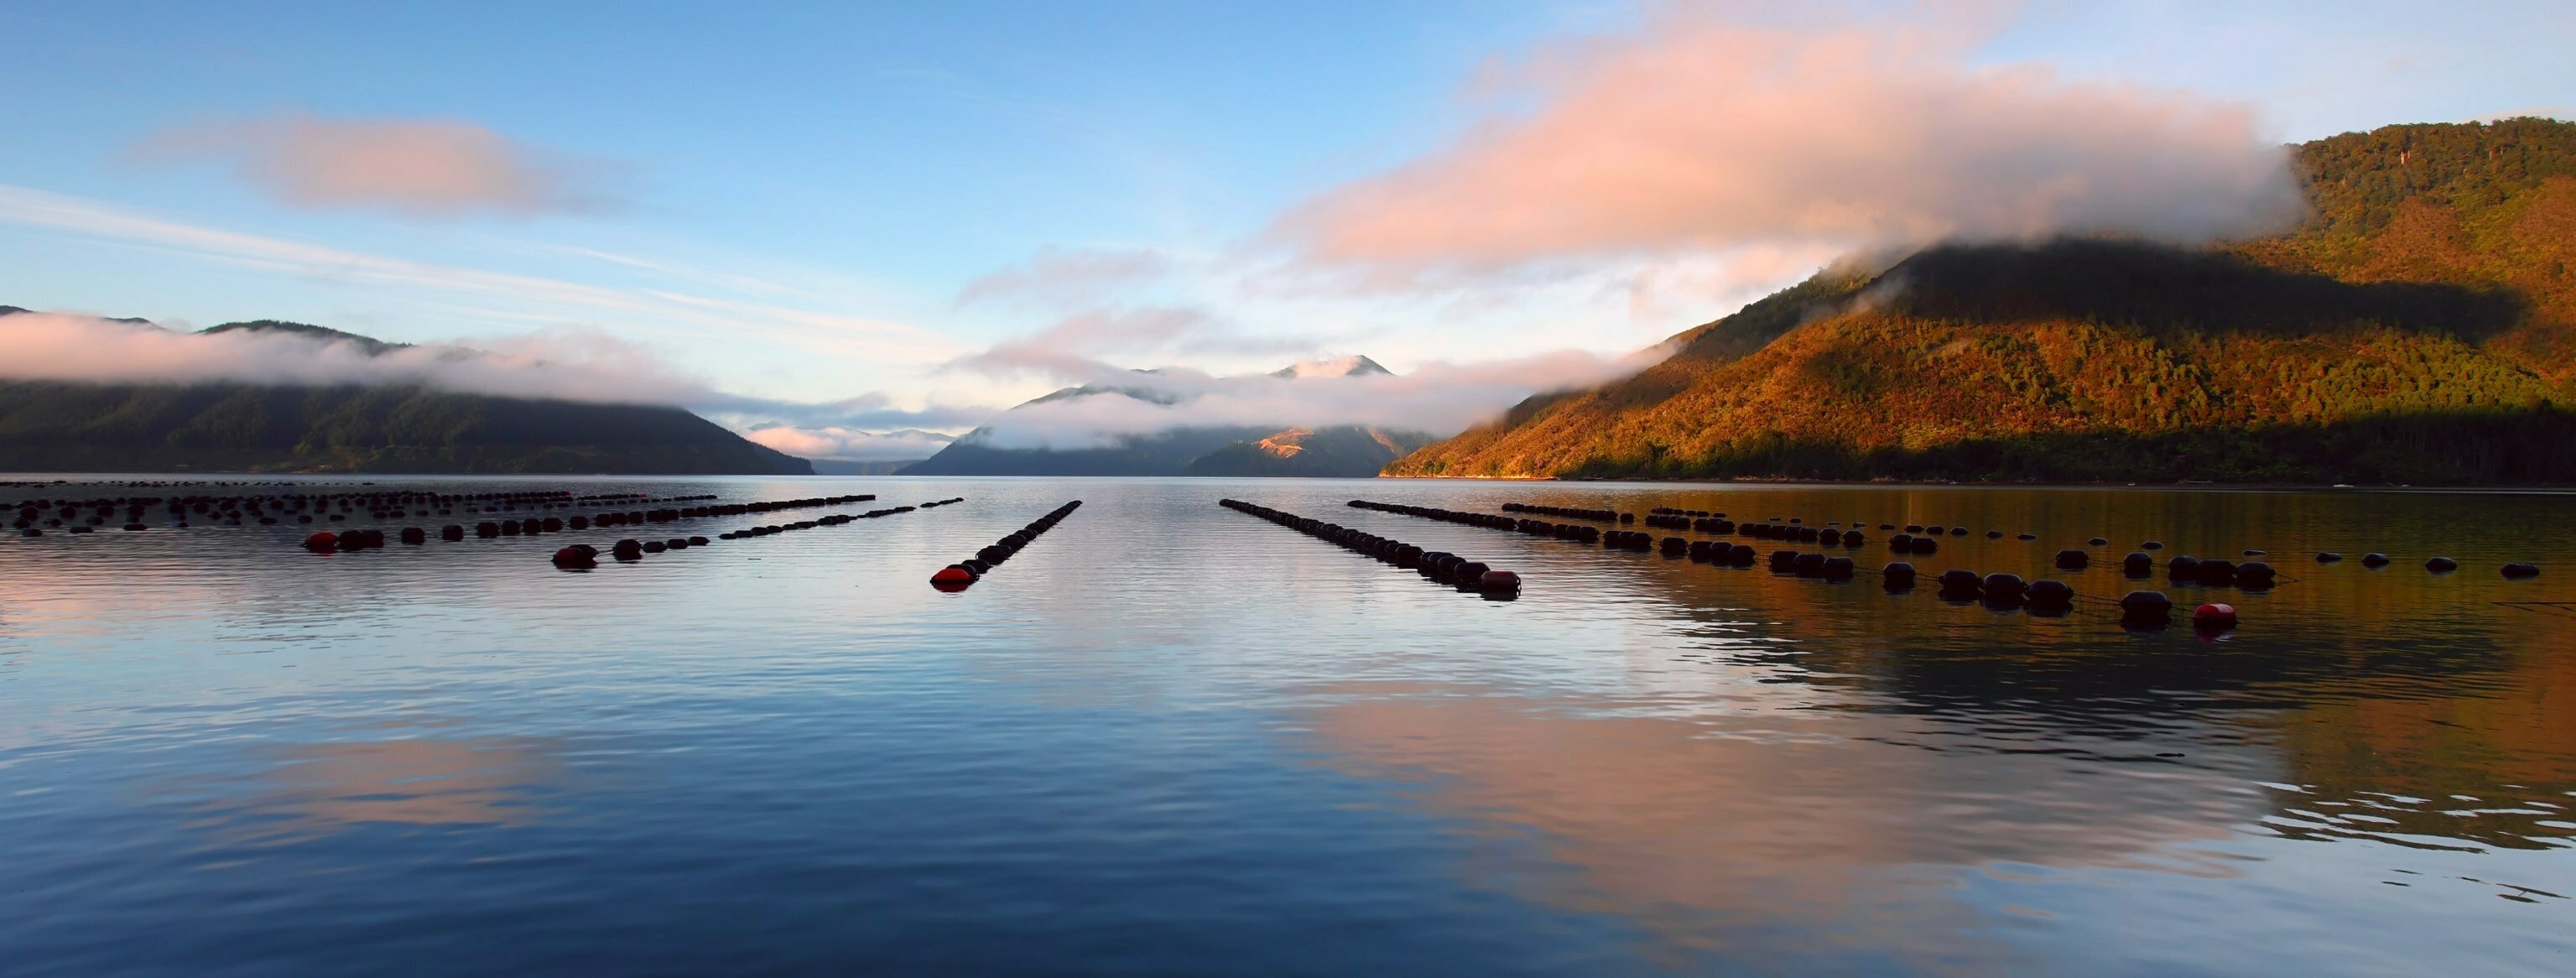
x=434 y=168
x=851 y=444
x=569 y=365
x=1440 y=398
x=1699 y=135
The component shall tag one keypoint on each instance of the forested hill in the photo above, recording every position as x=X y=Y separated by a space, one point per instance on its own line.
x=2420 y=328
x=52 y=426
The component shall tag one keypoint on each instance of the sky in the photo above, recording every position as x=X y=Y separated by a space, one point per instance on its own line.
x=868 y=217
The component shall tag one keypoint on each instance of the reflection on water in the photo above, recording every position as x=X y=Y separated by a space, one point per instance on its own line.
x=1169 y=739
x=315 y=788
x=1772 y=832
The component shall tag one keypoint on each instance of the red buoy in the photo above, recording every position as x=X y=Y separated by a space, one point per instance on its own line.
x=322 y=543
x=952 y=578
x=2214 y=616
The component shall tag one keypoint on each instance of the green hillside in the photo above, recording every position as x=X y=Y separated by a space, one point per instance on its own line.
x=2417 y=329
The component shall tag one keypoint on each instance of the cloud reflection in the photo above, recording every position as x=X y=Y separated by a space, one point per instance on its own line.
x=315 y=789
x=1733 y=833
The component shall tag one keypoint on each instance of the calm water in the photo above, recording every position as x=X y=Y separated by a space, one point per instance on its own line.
x=1171 y=738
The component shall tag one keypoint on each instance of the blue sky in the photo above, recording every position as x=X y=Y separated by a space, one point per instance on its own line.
x=790 y=202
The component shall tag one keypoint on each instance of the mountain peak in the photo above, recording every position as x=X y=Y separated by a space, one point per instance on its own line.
x=371 y=345
x=1354 y=365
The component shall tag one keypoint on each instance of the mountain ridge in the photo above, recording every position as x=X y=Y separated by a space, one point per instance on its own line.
x=1288 y=450
x=2416 y=329
x=70 y=426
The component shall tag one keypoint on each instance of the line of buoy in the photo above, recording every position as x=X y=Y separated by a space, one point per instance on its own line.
x=1532 y=527
x=582 y=556
x=835 y=519
x=1596 y=515
x=958 y=576
x=1466 y=575
x=1701 y=520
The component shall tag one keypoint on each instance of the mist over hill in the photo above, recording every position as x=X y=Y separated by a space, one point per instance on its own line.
x=1278 y=448
x=2419 y=328
x=66 y=425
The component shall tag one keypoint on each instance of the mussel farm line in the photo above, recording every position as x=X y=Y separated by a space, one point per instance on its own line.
x=1437 y=565
x=330 y=542
x=582 y=556
x=1917 y=539
x=958 y=576
x=271 y=510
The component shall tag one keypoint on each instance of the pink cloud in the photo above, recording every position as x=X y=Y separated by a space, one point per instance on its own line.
x=851 y=444
x=417 y=167
x=1701 y=136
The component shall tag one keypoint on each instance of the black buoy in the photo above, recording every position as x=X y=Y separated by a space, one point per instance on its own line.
x=2072 y=559
x=2328 y=557
x=2151 y=545
x=1899 y=576
x=2137 y=564
x=1960 y=584
x=2521 y=570
x=414 y=536
x=2374 y=560
x=451 y=533
x=1784 y=560
x=1809 y=565
x=2026 y=536
x=2217 y=573
x=2050 y=595
x=2099 y=542
x=2145 y=608
x=2004 y=588
x=2183 y=568
x=2441 y=565
x=1923 y=545
x=1838 y=568
x=2254 y=575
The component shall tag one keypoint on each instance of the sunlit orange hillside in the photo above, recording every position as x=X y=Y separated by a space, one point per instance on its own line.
x=2417 y=329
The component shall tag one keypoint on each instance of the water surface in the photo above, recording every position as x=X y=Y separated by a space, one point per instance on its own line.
x=1168 y=737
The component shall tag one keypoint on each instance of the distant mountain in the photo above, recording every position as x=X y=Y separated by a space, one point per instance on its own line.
x=2420 y=328
x=835 y=466
x=57 y=426
x=1350 y=366
x=1347 y=451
